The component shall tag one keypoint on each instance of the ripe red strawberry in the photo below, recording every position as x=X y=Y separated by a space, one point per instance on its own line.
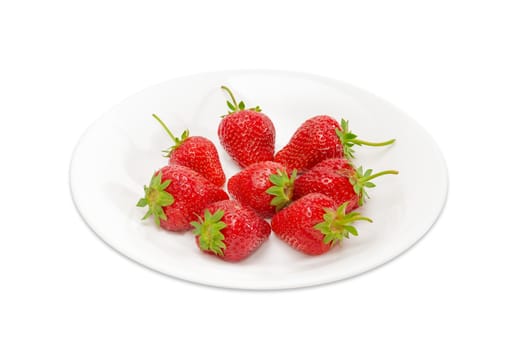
x=230 y=231
x=197 y=153
x=247 y=135
x=339 y=180
x=266 y=187
x=176 y=194
x=320 y=138
x=313 y=224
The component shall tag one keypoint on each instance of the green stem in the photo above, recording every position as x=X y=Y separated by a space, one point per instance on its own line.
x=386 y=172
x=231 y=95
x=356 y=218
x=175 y=139
x=375 y=144
x=339 y=225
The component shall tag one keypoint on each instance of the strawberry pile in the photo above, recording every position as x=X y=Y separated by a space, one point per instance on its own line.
x=306 y=193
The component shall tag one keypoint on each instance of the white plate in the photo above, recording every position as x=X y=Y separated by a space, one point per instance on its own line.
x=118 y=153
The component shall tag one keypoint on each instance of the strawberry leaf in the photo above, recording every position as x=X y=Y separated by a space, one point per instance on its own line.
x=351 y=229
x=349 y=139
x=164 y=185
x=361 y=180
x=282 y=191
x=346 y=137
x=177 y=141
x=234 y=106
x=156 y=198
x=336 y=224
x=142 y=202
x=231 y=106
x=208 y=229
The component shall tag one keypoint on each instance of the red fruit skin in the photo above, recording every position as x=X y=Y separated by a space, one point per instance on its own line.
x=315 y=140
x=295 y=223
x=330 y=177
x=192 y=193
x=248 y=137
x=200 y=154
x=245 y=232
x=249 y=187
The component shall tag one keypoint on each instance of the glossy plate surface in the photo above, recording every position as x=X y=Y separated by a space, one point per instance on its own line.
x=116 y=156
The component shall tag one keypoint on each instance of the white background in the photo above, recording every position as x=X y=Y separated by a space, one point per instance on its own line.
x=64 y=63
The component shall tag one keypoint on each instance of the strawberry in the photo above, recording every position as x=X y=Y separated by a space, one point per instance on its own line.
x=197 y=153
x=176 y=194
x=266 y=187
x=339 y=180
x=230 y=231
x=313 y=224
x=320 y=138
x=247 y=135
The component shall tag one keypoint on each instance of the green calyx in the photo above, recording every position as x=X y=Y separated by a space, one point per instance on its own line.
x=177 y=141
x=235 y=106
x=209 y=232
x=156 y=198
x=336 y=224
x=362 y=179
x=349 y=139
x=282 y=189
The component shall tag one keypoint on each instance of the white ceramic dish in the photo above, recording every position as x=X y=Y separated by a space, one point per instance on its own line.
x=118 y=153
